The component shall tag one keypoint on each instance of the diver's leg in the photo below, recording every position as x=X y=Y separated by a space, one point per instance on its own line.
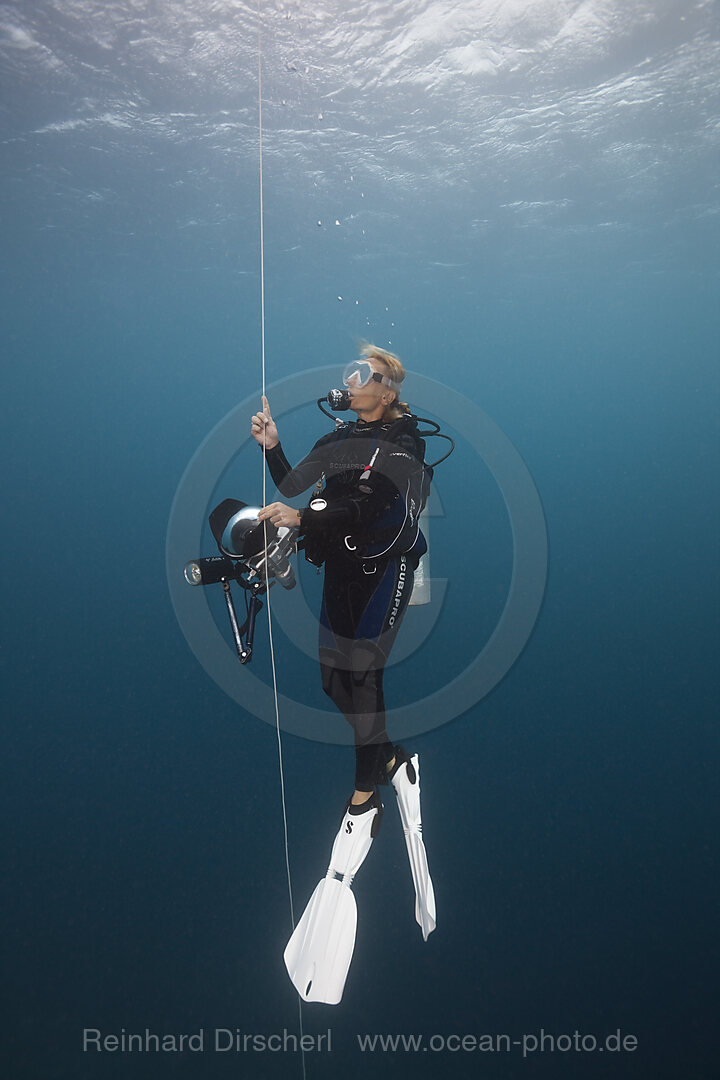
x=336 y=632
x=403 y=770
x=361 y=615
x=386 y=595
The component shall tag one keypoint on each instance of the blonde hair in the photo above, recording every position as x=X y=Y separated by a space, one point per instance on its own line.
x=395 y=370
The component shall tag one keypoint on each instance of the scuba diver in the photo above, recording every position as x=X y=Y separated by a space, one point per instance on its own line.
x=370 y=483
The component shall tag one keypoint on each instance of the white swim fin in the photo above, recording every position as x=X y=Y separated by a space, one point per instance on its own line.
x=405 y=778
x=319 y=952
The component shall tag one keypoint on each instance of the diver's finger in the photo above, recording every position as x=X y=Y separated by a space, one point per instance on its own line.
x=266 y=406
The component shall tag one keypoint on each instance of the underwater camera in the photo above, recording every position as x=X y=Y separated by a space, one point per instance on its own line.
x=245 y=559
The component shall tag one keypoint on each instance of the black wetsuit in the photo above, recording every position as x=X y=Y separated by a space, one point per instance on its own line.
x=364 y=599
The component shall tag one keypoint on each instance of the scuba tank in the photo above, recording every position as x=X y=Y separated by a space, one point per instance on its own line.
x=421 y=584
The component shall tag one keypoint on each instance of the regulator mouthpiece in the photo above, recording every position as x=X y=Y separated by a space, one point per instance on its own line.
x=338 y=400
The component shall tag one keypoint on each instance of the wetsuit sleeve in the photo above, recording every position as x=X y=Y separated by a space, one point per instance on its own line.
x=338 y=514
x=289 y=481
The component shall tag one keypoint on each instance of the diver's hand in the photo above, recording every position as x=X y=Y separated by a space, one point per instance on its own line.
x=280 y=514
x=263 y=429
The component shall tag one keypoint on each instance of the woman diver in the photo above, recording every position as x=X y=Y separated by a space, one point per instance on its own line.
x=370 y=481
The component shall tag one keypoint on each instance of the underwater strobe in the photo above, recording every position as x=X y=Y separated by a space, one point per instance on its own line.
x=243 y=558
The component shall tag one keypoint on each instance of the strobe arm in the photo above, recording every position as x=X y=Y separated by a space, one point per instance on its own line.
x=244 y=648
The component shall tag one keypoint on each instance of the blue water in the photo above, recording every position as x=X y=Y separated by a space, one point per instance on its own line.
x=527 y=207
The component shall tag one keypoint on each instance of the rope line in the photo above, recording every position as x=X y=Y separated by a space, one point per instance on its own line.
x=264 y=502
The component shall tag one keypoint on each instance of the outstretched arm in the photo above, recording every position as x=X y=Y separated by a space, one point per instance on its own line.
x=288 y=481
